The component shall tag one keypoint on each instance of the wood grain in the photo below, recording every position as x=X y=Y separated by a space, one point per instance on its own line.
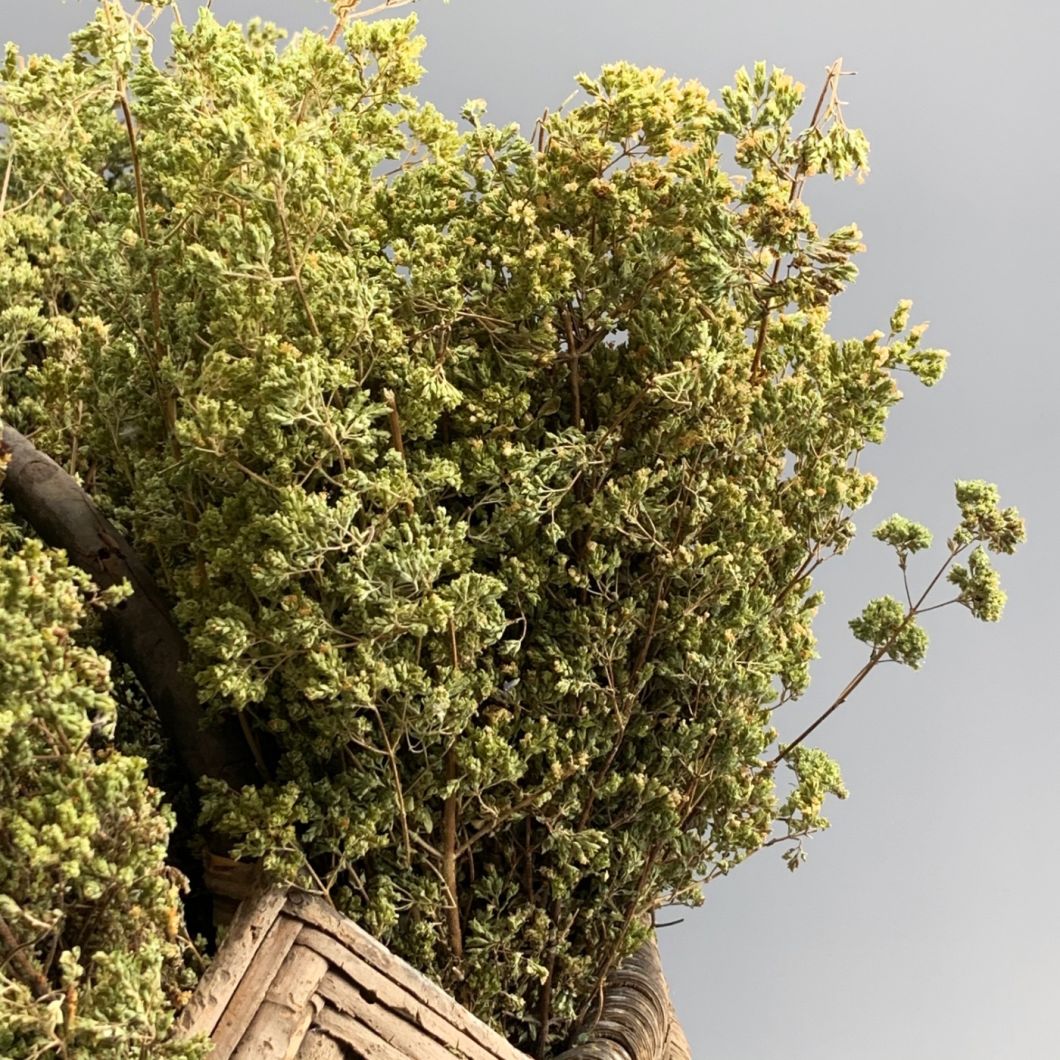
x=365 y=1043
x=403 y=1004
x=320 y=1046
x=256 y=981
x=364 y=954
x=391 y=1026
x=285 y=1014
x=245 y=935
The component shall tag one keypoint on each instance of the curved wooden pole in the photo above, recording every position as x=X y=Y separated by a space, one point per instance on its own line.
x=140 y=629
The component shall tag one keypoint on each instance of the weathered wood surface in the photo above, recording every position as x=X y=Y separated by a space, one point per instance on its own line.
x=286 y=1013
x=434 y=1001
x=400 y=1003
x=364 y=1041
x=295 y=980
x=637 y=1020
x=405 y=1036
x=317 y=1045
x=257 y=979
x=246 y=932
x=677 y=1047
x=230 y=883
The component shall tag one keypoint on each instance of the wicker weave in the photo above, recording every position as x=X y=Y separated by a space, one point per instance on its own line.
x=295 y=979
x=637 y=1019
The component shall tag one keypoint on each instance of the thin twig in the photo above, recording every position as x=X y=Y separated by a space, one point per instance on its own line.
x=347 y=11
x=512 y=812
x=296 y=268
x=390 y=5
x=395 y=423
x=450 y=817
x=874 y=660
x=449 y=853
x=7 y=181
x=254 y=745
x=16 y=952
x=155 y=297
x=399 y=793
x=575 y=372
x=797 y=180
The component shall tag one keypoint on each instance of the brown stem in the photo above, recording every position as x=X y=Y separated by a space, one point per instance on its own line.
x=610 y=958
x=15 y=952
x=252 y=742
x=639 y=662
x=399 y=793
x=296 y=268
x=395 y=422
x=7 y=181
x=575 y=372
x=544 y=1003
x=168 y=401
x=167 y=396
x=449 y=851
x=450 y=818
x=832 y=77
x=877 y=655
x=512 y=812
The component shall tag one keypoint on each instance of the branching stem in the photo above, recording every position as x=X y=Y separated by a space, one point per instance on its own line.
x=875 y=658
x=797 y=180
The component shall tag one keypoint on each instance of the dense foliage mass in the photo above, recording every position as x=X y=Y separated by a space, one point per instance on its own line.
x=488 y=473
x=89 y=912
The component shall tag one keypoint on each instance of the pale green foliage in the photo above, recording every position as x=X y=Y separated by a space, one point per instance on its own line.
x=884 y=624
x=980 y=586
x=817 y=777
x=83 y=883
x=890 y=627
x=903 y=535
x=982 y=518
x=453 y=449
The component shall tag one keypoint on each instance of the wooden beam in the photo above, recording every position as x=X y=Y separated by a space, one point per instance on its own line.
x=367 y=955
x=287 y=1011
x=246 y=1000
x=320 y=1046
x=141 y=629
x=364 y=1043
x=246 y=933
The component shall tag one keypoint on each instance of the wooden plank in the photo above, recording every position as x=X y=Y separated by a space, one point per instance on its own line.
x=251 y=990
x=392 y=1027
x=232 y=879
x=433 y=998
x=320 y=1046
x=285 y=1013
x=362 y=1040
x=245 y=934
x=297 y=979
x=309 y=1016
x=404 y=1005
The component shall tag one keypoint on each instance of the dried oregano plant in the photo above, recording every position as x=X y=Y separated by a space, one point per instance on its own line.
x=489 y=473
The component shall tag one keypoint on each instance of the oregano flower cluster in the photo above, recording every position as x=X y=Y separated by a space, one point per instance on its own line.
x=488 y=471
x=90 y=914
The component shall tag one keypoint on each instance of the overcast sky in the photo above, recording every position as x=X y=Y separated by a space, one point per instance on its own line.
x=925 y=924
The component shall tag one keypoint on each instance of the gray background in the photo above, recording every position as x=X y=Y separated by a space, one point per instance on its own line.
x=925 y=923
